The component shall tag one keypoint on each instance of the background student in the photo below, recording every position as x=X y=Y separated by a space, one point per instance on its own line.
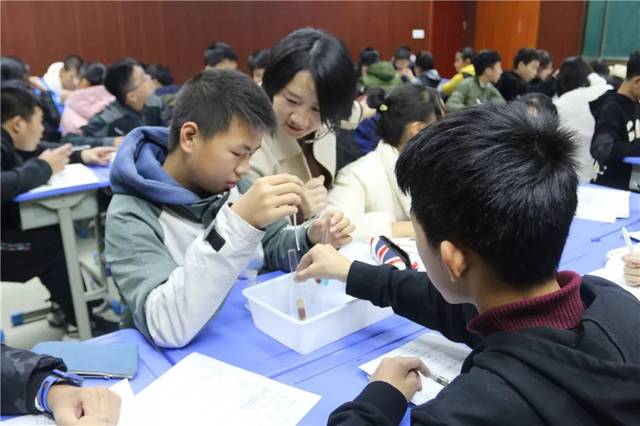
x=134 y=106
x=480 y=88
x=367 y=187
x=617 y=131
x=220 y=55
x=258 y=62
x=463 y=63
x=515 y=82
x=90 y=98
x=576 y=86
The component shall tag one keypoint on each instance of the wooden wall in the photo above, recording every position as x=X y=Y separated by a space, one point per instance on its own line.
x=506 y=26
x=176 y=32
x=561 y=28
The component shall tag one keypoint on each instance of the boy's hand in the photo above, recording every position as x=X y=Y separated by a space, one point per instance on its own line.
x=57 y=158
x=270 y=198
x=314 y=197
x=402 y=374
x=332 y=228
x=99 y=155
x=71 y=405
x=632 y=269
x=323 y=261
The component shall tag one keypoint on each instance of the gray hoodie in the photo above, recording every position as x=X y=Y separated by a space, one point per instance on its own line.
x=174 y=255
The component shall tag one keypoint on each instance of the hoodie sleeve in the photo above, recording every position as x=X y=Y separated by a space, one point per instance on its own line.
x=450 y=85
x=169 y=302
x=412 y=296
x=606 y=146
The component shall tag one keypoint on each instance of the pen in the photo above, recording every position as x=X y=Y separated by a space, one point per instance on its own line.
x=439 y=379
x=627 y=239
x=80 y=148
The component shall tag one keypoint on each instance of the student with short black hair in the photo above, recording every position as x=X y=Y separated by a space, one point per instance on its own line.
x=463 y=63
x=311 y=81
x=162 y=80
x=220 y=55
x=184 y=221
x=89 y=99
x=617 y=131
x=544 y=81
x=25 y=166
x=134 y=106
x=15 y=73
x=426 y=74
x=402 y=63
x=516 y=82
x=480 y=88
x=493 y=195
x=368 y=56
x=367 y=187
x=258 y=62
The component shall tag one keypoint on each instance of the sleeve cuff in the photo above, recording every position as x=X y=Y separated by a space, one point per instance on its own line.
x=387 y=399
x=363 y=279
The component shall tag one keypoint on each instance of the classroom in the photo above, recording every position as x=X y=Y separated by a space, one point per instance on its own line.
x=347 y=212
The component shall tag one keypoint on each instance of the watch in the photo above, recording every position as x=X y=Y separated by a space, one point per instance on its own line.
x=57 y=377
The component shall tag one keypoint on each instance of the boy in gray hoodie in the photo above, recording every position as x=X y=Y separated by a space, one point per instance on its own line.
x=184 y=222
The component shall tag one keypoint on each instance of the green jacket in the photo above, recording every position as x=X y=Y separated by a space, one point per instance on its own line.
x=381 y=74
x=471 y=92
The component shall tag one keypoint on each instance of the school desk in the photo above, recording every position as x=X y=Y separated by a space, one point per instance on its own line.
x=62 y=207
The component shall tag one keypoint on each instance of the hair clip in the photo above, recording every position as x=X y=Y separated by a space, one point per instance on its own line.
x=383 y=108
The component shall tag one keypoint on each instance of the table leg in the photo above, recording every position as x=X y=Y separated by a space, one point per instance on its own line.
x=73 y=269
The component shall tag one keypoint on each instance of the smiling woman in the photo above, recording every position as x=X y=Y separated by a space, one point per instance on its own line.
x=311 y=81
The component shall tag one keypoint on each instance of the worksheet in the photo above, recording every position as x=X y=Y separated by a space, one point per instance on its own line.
x=442 y=356
x=202 y=390
x=72 y=175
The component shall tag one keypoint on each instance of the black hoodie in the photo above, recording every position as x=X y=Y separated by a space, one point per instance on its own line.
x=616 y=135
x=584 y=376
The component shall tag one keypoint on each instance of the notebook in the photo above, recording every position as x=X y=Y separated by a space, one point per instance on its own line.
x=109 y=360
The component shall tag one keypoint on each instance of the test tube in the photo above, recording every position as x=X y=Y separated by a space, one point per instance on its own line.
x=302 y=312
x=292 y=254
x=295 y=232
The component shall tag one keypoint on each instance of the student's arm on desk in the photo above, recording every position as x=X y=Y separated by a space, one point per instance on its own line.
x=94 y=133
x=31 y=174
x=413 y=296
x=604 y=146
x=170 y=303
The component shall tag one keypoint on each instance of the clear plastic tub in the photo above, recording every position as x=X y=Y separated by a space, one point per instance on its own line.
x=329 y=314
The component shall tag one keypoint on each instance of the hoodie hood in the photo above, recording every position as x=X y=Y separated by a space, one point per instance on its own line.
x=597 y=105
x=137 y=170
x=592 y=373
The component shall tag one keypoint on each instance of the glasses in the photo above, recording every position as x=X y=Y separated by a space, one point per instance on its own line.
x=145 y=78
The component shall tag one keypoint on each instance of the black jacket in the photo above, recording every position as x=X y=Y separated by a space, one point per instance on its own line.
x=511 y=85
x=616 y=135
x=21 y=172
x=22 y=374
x=587 y=376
